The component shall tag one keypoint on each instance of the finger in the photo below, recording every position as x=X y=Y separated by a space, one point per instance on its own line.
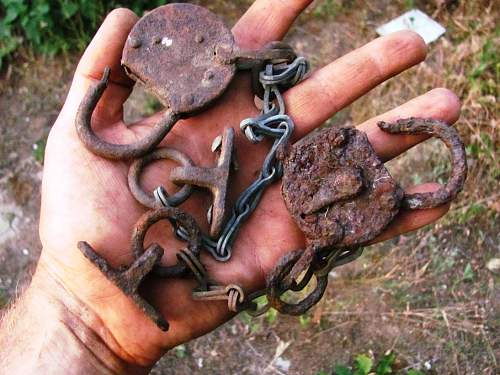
x=338 y=84
x=267 y=20
x=440 y=104
x=104 y=50
x=410 y=220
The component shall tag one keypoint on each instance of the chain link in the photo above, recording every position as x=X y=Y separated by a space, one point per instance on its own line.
x=272 y=123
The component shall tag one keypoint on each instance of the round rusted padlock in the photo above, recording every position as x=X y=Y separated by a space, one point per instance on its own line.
x=186 y=57
x=181 y=52
x=340 y=193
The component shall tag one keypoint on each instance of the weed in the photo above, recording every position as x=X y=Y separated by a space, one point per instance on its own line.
x=39 y=149
x=271 y=315
x=364 y=365
x=305 y=321
x=473 y=210
x=254 y=325
x=50 y=27
x=409 y=4
x=468 y=273
x=180 y=351
x=488 y=61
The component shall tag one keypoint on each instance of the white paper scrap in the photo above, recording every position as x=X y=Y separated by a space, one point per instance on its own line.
x=417 y=21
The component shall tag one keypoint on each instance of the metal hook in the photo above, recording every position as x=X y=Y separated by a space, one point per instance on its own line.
x=451 y=139
x=110 y=150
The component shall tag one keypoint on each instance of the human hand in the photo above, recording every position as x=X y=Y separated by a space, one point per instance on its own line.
x=86 y=197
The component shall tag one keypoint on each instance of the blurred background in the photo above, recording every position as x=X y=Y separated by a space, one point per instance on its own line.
x=424 y=303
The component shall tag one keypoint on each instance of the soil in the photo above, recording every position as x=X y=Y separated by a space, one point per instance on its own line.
x=427 y=296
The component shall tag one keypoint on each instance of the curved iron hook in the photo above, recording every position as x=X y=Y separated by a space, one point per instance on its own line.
x=451 y=139
x=110 y=150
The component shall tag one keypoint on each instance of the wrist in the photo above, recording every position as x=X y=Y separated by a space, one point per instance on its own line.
x=50 y=331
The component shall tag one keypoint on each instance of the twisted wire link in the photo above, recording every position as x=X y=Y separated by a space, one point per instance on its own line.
x=232 y=293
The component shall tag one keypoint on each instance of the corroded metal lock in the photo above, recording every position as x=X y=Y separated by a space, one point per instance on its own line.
x=339 y=192
x=180 y=53
x=341 y=196
x=184 y=55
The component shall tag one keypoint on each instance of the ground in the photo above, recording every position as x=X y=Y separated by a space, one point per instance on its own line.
x=430 y=297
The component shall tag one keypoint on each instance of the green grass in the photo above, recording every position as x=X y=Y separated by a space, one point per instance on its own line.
x=364 y=364
x=50 y=27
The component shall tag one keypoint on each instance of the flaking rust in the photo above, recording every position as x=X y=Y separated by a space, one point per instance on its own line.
x=176 y=51
x=147 y=260
x=215 y=179
x=129 y=279
x=337 y=190
x=340 y=193
x=185 y=56
x=341 y=196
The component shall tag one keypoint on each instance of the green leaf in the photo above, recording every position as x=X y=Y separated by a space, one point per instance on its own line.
x=39 y=149
x=180 y=351
x=69 y=9
x=363 y=364
x=414 y=372
x=342 y=370
x=271 y=315
x=468 y=273
x=385 y=364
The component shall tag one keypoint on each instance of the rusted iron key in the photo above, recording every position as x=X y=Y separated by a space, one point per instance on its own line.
x=186 y=57
x=341 y=196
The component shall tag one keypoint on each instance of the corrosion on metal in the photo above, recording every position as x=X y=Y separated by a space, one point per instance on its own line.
x=128 y=280
x=138 y=166
x=178 y=59
x=337 y=190
x=176 y=217
x=276 y=286
x=341 y=196
x=111 y=150
x=215 y=179
x=184 y=55
x=451 y=139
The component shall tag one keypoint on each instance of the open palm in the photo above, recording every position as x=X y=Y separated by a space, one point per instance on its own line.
x=86 y=197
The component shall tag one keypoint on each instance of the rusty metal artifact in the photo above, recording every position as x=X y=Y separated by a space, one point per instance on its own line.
x=176 y=217
x=128 y=279
x=216 y=179
x=184 y=55
x=451 y=139
x=148 y=260
x=341 y=196
x=333 y=184
x=337 y=190
x=138 y=166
